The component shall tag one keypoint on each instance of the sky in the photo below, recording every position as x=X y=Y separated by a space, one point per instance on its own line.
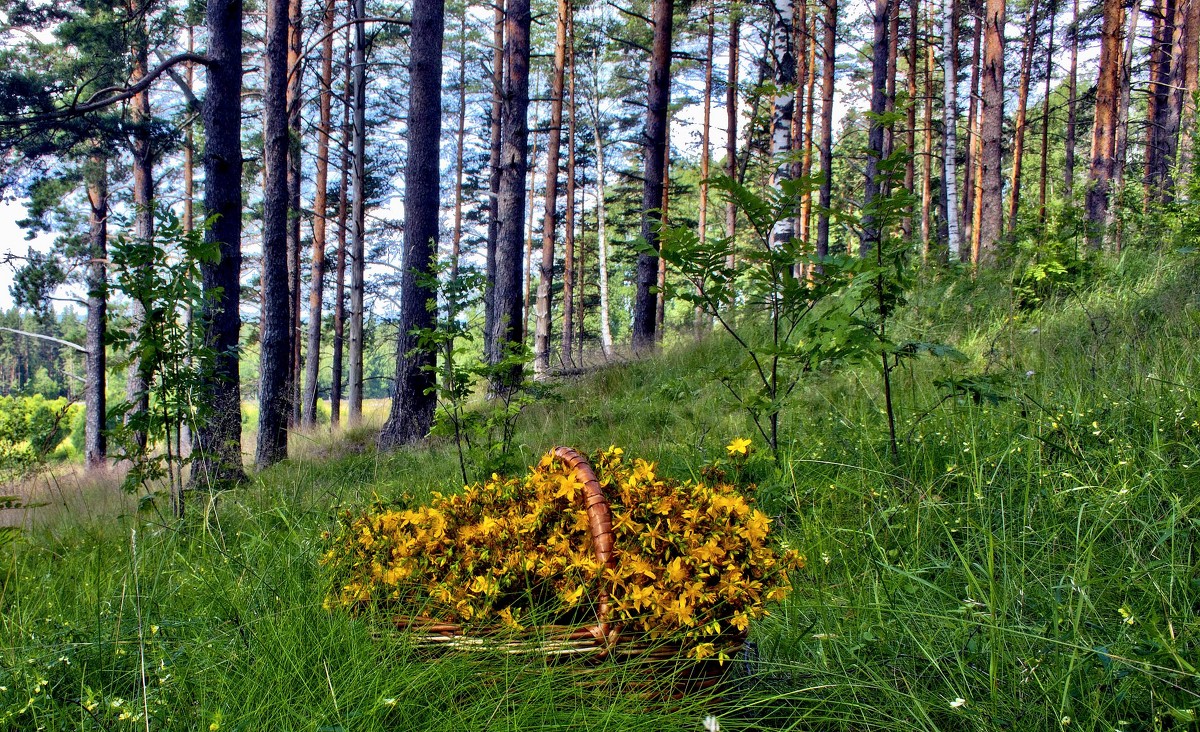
x=12 y=241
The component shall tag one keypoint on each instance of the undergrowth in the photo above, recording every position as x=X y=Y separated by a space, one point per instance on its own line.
x=1029 y=562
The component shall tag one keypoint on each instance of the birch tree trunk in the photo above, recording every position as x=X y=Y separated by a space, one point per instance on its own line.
x=783 y=109
x=927 y=233
x=950 y=125
x=606 y=338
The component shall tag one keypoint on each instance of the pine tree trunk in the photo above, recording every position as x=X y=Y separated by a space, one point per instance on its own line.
x=358 y=217
x=1157 y=178
x=1103 y=161
x=1122 y=143
x=541 y=336
x=654 y=155
x=189 y=217
x=1174 y=108
x=660 y=281
x=339 y=304
x=1072 y=105
x=580 y=312
x=414 y=394
x=910 y=132
x=950 y=125
x=218 y=438
x=796 y=164
x=880 y=55
x=494 y=140
x=569 y=221
x=705 y=150
x=731 y=115
x=991 y=133
x=320 y=220
x=828 y=64
x=1191 y=84
x=294 y=104
x=275 y=350
x=137 y=384
x=507 y=334
x=805 y=223
x=1018 y=154
x=893 y=45
x=1044 y=157
x=95 y=442
x=970 y=178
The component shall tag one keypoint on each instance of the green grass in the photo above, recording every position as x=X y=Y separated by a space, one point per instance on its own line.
x=1027 y=564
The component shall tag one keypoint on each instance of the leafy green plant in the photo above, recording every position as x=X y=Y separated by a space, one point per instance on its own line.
x=483 y=430
x=31 y=431
x=798 y=333
x=163 y=274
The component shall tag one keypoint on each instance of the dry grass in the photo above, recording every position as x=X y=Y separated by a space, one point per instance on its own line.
x=67 y=494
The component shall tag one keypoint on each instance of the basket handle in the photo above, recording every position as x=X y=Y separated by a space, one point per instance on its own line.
x=600 y=525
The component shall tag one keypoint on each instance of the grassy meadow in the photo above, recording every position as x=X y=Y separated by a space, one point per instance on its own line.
x=1029 y=561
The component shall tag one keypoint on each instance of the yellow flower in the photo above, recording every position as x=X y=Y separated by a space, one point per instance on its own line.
x=570 y=599
x=738 y=446
x=568 y=486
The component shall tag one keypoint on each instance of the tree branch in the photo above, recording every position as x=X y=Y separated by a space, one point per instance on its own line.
x=52 y=339
x=117 y=94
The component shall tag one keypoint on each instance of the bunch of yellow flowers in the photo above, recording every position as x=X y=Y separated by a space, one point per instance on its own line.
x=692 y=561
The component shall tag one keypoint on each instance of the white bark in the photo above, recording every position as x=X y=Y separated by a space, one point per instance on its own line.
x=784 y=109
x=950 y=122
x=606 y=339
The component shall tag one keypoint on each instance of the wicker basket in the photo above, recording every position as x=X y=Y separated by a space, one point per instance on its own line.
x=594 y=639
x=598 y=639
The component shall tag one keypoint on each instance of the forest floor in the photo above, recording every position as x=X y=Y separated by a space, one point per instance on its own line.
x=1029 y=561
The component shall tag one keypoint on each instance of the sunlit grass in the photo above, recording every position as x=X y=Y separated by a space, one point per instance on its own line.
x=1026 y=564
